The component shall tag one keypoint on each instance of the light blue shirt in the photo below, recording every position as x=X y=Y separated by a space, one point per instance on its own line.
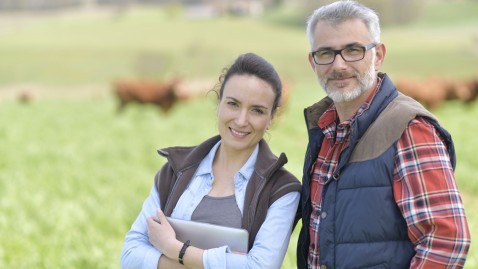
x=270 y=244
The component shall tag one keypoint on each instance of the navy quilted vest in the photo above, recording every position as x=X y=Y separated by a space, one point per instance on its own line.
x=361 y=225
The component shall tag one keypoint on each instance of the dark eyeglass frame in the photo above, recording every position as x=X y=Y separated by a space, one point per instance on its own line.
x=339 y=51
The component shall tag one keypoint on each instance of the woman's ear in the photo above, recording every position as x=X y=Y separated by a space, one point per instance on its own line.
x=269 y=123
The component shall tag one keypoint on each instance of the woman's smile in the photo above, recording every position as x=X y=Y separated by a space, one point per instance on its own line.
x=237 y=133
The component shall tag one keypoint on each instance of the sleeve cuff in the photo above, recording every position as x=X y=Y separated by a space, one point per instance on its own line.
x=215 y=258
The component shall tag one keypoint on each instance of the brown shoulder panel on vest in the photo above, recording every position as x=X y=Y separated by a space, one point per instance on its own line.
x=388 y=128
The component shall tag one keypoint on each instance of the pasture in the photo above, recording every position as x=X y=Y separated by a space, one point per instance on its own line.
x=74 y=174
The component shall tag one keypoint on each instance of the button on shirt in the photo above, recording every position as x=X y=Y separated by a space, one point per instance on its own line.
x=270 y=243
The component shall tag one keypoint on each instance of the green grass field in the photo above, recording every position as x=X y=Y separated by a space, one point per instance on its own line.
x=74 y=174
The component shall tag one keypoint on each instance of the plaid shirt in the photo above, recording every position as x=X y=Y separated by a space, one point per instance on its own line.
x=424 y=189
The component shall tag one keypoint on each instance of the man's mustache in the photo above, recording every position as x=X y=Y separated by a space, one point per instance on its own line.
x=339 y=75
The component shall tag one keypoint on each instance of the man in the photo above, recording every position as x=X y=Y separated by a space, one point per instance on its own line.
x=378 y=186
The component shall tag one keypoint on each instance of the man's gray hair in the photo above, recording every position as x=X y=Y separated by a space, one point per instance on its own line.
x=341 y=11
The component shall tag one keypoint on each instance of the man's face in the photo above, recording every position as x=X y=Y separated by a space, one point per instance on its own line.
x=346 y=81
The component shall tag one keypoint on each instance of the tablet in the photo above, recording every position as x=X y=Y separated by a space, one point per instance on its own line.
x=206 y=235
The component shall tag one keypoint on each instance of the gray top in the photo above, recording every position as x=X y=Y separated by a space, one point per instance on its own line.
x=218 y=210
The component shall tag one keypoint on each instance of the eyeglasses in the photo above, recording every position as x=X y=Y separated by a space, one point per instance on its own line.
x=352 y=53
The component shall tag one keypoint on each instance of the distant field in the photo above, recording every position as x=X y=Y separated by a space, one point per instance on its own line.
x=73 y=174
x=80 y=49
x=142 y=43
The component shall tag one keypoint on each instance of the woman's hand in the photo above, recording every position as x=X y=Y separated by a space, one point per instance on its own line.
x=162 y=236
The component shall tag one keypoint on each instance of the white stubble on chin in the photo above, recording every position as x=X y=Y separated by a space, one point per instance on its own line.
x=339 y=95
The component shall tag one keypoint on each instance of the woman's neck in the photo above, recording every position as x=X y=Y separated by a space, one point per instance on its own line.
x=225 y=165
x=230 y=160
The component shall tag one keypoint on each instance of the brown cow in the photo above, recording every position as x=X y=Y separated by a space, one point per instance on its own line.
x=26 y=96
x=158 y=93
x=466 y=90
x=430 y=95
x=433 y=91
x=474 y=88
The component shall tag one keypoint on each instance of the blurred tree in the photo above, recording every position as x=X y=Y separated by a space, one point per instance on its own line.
x=37 y=4
x=89 y=4
x=389 y=11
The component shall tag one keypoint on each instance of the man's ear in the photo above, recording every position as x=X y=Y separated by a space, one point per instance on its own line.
x=311 y=61
x=380 y=52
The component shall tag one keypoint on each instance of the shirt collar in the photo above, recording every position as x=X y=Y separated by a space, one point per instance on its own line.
x=205 y=167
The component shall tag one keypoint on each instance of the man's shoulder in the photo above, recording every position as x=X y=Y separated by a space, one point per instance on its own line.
x=313 y=112
x=389 y=126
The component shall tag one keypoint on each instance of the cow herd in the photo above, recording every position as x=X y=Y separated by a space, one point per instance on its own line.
x=431 y=92
x=434 y=91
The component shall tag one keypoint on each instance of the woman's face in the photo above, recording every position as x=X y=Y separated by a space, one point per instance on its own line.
x=244 y=112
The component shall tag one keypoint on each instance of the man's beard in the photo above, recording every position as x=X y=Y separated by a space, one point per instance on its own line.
x=365 y=81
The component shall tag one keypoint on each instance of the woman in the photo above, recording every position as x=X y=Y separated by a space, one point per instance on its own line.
x=235 y=174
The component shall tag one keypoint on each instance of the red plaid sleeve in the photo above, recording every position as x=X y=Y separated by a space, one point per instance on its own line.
x=426 y=193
